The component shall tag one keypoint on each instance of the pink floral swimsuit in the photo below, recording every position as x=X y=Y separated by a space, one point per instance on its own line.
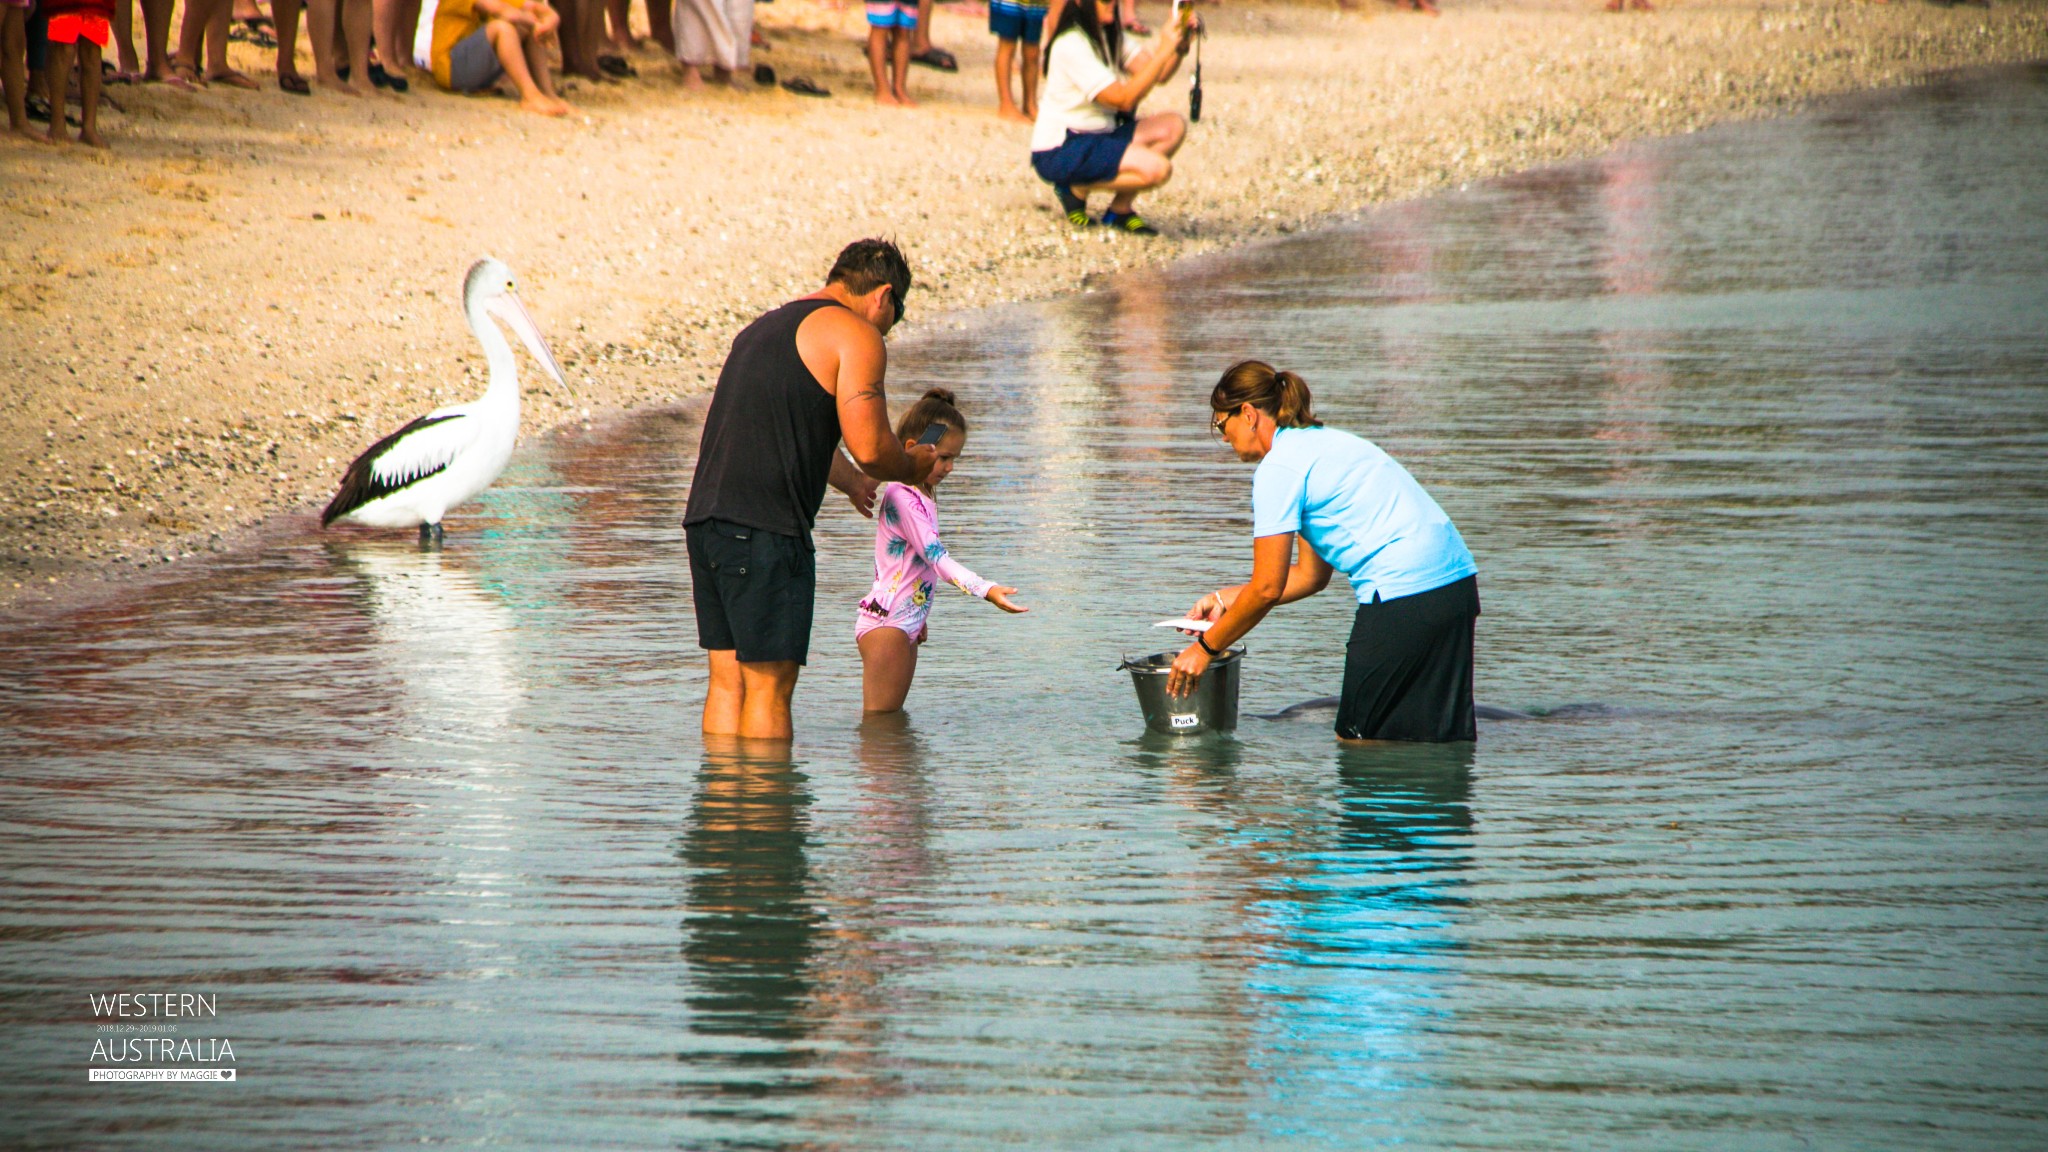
x=909 y=563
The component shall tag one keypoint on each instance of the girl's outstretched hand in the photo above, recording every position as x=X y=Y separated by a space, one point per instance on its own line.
x=1000 y=597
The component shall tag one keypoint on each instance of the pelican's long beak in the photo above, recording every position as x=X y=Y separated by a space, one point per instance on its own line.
x=508 y=308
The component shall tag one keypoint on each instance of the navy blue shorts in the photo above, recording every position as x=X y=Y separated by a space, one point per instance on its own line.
x=754 y=591
x=1010 y=20
x=1086 y=157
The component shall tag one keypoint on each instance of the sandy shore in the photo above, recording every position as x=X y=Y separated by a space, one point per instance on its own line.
x=203 y=326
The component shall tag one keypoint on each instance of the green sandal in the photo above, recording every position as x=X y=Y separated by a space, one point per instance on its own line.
x=1079 y=218
x=1128 y=222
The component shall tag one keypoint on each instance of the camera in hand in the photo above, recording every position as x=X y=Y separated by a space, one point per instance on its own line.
x=1184 y=18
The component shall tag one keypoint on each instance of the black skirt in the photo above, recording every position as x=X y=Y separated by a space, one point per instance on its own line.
x=1408 y=667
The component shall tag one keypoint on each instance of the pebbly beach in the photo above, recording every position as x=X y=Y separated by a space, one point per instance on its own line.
x=203 y=324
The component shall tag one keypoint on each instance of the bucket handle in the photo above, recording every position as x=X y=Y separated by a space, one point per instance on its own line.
x=1127 y=666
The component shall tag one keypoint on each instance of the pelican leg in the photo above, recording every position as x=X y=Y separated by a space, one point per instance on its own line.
x=430 y=535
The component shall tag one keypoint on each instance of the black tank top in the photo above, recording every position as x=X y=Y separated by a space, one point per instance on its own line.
x=770 y=434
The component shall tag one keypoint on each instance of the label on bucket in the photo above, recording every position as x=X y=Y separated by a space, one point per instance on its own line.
x=1184 y=721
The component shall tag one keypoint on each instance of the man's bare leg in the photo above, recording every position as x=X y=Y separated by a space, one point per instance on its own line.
x=156 y=38
x=190 y=63
x=921 y=42
x=661 y=26
x=217 y=68
x=358 y=17
x=320 y=17
x=579 y=50
x=722 y=697
x=750 y=700
x=284 y=19
x=765 y=691
x=124 y=36
x=391 y=53
x=14 y=71
x=408 y=21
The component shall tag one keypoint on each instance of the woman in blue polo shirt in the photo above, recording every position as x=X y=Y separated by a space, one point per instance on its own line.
x=1408 y=667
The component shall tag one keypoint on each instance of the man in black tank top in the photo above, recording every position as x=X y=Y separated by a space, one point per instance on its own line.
x=798 y=381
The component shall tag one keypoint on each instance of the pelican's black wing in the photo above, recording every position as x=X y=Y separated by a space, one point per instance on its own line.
x=366 y=481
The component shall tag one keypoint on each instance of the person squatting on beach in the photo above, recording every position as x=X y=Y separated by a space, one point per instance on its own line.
x=1015 y=22
x=77 y=28
x=797 y=381
x=1408 y=666
x=1087 y=137
x=476 y=41
x=892 y=24
x=910 y=560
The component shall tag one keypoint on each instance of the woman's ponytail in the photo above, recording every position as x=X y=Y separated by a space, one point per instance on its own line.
x=1295 y=409
x=1281 y=395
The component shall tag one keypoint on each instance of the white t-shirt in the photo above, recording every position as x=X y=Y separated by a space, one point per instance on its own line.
x=1067 y=103
x=423 y=36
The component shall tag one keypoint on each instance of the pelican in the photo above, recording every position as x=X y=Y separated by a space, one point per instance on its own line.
x=416 y=474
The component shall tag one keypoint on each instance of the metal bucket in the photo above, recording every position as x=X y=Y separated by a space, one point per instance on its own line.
x=1211 y=707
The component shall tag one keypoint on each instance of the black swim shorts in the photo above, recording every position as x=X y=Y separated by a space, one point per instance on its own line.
x=754 y=591
x=1408 y=668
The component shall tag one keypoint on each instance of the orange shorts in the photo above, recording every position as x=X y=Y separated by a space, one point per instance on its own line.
x=70 y=27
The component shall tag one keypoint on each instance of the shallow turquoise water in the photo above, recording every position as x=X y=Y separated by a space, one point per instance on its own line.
x=1747 y=430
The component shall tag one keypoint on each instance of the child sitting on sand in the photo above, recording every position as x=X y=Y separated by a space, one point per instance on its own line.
x=910 y=561
x=477 y=41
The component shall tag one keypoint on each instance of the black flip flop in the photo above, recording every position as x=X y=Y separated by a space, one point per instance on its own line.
x=803 y=86
x=381 y=78
x=616 y=66
x=296 y=85
x=764 y=75
x=936 y=57
x=254 y=30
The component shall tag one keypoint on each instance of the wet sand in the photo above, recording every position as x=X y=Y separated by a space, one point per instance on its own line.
x=203 y=326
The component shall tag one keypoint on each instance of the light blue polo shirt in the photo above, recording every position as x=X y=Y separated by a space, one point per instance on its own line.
x=1360 y=510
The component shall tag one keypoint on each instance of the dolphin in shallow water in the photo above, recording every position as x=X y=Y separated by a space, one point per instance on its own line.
x=1481 y=711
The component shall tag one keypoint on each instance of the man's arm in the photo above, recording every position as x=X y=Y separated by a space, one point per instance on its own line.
x=864 y=406
x=852 y=481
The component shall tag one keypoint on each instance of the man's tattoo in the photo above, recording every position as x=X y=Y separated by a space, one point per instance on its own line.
x=870 y=393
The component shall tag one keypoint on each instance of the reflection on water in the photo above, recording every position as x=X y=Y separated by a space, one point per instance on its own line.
x=751 y=932
x=1747 y=431
x=445 y=641
x=1351 y=980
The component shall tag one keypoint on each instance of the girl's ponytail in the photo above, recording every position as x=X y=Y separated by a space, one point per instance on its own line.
x=1281 y=395
x=936 y=406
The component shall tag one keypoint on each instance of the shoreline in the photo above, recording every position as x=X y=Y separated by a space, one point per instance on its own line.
x=202 y=348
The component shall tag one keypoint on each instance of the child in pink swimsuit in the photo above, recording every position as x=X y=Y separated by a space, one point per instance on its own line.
x=909 y=563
